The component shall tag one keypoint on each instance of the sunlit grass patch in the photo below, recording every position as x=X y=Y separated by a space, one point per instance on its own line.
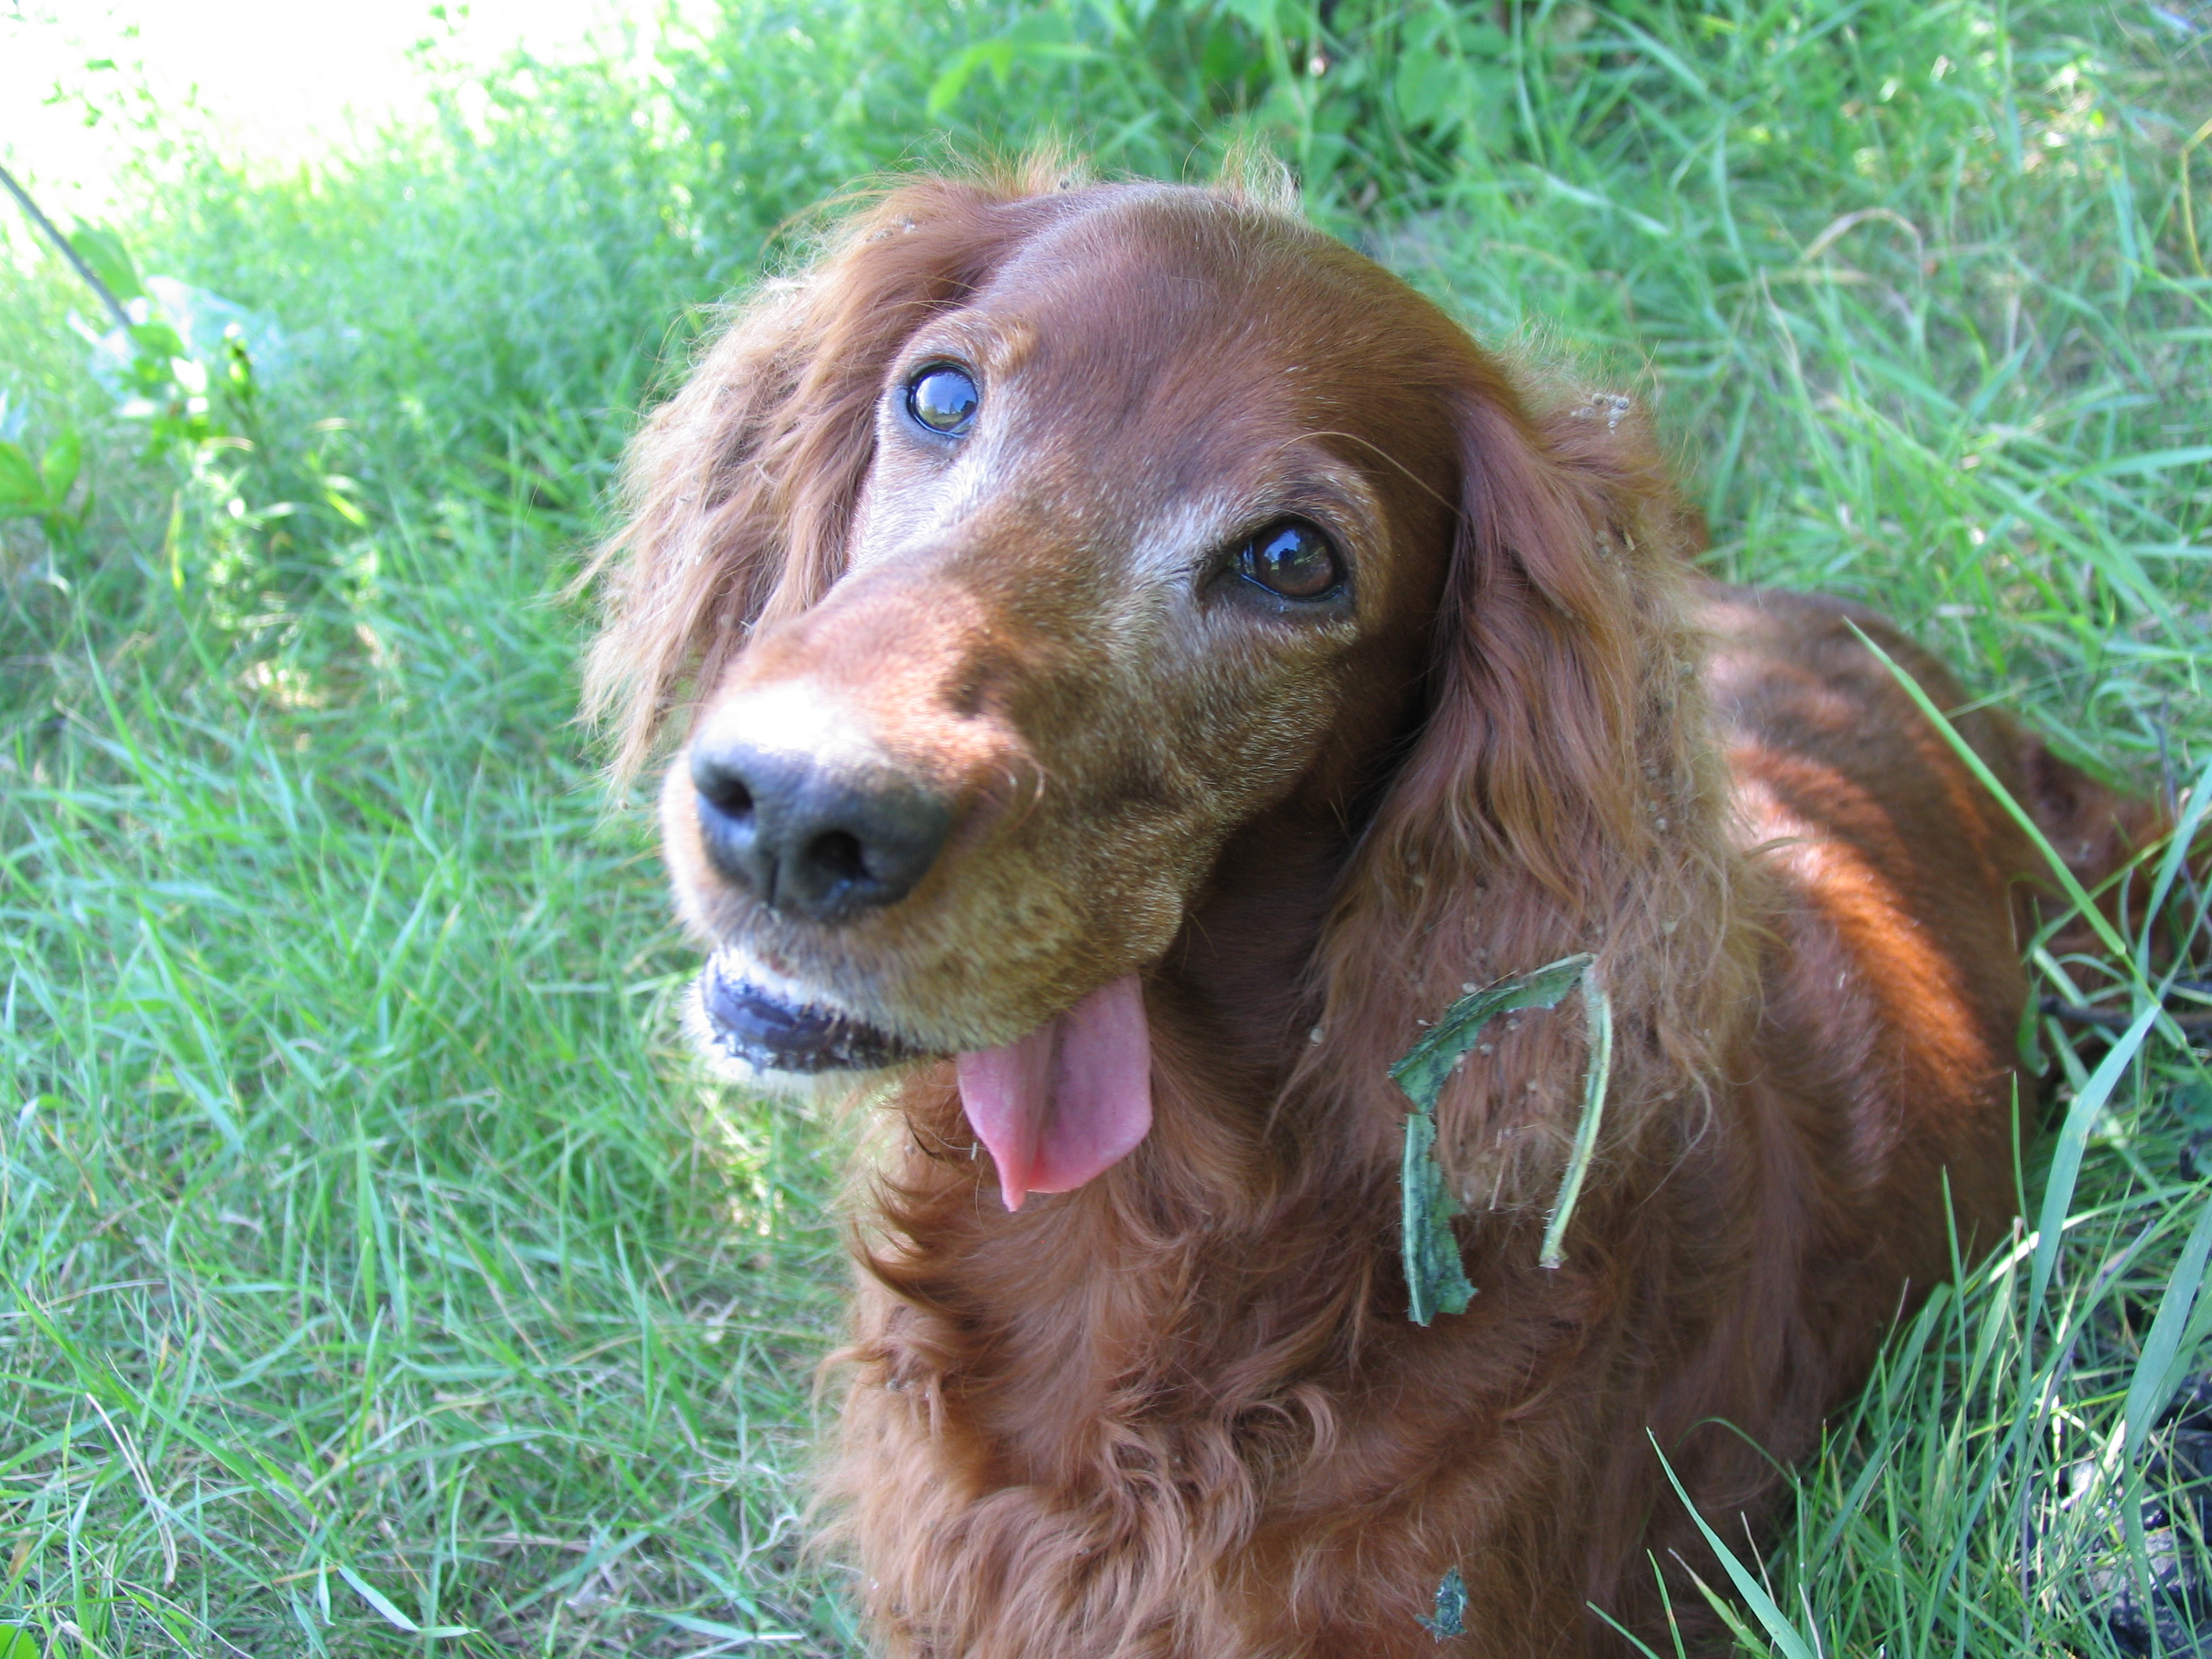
x=352 y=1222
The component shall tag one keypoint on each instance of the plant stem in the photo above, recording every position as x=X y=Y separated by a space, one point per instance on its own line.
x=91 y=277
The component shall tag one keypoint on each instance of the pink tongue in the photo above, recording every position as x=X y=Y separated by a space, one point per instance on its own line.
x=1069 y=1100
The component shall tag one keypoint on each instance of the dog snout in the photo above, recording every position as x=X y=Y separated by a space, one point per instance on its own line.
x=815 y=838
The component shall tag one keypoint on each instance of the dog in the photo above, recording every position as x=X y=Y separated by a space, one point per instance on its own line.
x=1137 y=666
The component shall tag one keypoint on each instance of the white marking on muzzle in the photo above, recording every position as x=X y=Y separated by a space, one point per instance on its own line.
x=795 y=717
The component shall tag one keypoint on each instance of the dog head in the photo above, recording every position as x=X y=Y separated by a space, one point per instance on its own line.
x=1031 y=546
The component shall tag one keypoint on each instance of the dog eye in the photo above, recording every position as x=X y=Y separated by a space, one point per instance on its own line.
x=1292 y=560
x=943 y=399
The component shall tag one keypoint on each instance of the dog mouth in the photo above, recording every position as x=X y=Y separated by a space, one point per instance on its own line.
x=1054 y=1106
x=771 y=1028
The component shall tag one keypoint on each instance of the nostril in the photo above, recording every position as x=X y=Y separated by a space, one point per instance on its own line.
x=722 y=786
x=837 y=853
x=732 y=796
x=730 y=820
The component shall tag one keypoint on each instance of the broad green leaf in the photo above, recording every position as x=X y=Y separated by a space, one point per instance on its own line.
x=156 y=341
x=21 y=488
x=1422 y=1072
x=1041 y=32
x=953 y=80
x=103 y=249
x=16 y=1642
x=64 y=458
x=1483 y=40
x=2192 y=1103
x=1428 y=87
x=1042 y=37
x=1435 y=1280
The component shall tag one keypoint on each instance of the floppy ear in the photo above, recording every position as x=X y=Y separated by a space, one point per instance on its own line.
x=1559 y=658
x=1561 y=795
x=740 y=489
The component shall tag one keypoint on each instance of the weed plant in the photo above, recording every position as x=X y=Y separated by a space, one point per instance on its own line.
x=375 y=1275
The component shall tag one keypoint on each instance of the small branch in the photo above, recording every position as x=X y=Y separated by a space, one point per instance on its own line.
x=91 y=277
x=2075 y=1014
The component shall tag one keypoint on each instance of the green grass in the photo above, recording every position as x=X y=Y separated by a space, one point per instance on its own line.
x=370 y=1258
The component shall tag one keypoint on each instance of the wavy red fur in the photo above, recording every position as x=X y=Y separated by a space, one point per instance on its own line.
x=1180 y=1411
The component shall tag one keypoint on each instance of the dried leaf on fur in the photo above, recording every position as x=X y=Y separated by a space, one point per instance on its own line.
x=1450 y=1618
x=1597 y=1008
x=1435 y=1280
x=1422 y=1072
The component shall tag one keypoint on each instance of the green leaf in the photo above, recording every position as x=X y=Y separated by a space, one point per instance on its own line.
x=391 y=1615
x=1422 y=1072
x=1483 y=40
x=64 y=458
x=1042 y=37
x=1436 y=1281
x=1429 y=87
x=103 y=249
x=1598 y=1007
x=156 y=341
x=1970 y=758
x=953 y=80
x=16 y=1642
x=2156 y=460
x=1040 y=32
x=1784 y=1635
x=2066 y=1158
x=1258 y=16
x=21 y=488
x=2166 y=1355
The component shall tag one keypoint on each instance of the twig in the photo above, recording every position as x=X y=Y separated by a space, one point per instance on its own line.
x=91 y=277
x=2104 y=1019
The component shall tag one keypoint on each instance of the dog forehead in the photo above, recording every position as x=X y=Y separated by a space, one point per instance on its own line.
x=1211 y=332
x=1138 y=285
x=1167 y=344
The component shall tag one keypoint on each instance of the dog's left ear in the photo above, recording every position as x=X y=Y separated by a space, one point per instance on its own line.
x=1561 y=796
x=1558 y=679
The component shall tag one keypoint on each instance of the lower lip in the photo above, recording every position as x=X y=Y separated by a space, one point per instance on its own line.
x=770 y=1031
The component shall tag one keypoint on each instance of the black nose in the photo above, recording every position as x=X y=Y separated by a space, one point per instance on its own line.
x=814 y=839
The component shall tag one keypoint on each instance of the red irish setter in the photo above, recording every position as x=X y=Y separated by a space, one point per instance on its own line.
x=1139 y=664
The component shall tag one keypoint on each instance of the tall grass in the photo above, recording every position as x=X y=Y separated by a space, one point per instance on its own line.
x=375 y=1275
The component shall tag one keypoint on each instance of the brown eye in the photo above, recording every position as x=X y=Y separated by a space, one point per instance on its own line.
x=943 y=399
x=1292 y=560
